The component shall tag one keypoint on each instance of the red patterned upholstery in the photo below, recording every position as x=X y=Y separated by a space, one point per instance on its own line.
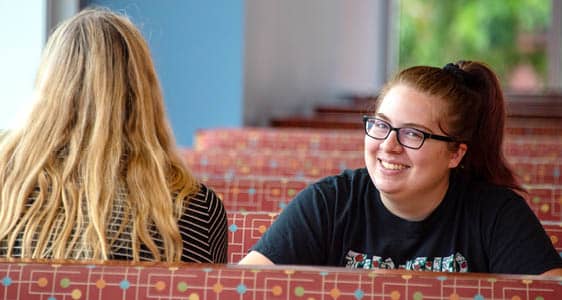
x=548 y=146
x=269 y=163
x=246 y=228
x=538 y=170
x=272 y=194
x=522 y=144
x=120 y=280
x=531 y=170
x=256 y=193
x=278 y=139
x=546 y=201
x=554 y=231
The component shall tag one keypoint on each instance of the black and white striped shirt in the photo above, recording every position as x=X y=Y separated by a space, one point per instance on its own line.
x=203 y=228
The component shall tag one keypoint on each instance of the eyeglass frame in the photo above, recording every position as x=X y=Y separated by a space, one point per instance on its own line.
x=426 y=135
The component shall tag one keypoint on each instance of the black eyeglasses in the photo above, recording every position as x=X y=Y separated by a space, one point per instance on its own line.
x=408 y=137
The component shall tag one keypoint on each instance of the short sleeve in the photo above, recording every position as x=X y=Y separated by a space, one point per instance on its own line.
x=204 y=228
x=218 y=231
x=299 y=235
x=518 y=242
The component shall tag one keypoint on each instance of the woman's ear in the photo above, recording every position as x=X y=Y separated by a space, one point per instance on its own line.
x=456 y=157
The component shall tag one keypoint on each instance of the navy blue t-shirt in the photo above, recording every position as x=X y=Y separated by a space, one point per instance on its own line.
x=341 y=221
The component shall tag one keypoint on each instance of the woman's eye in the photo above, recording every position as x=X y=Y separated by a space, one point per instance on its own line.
x=412 y=134
x=381 y=125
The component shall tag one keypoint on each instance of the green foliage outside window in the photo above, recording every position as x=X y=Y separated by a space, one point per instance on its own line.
x=503 y=34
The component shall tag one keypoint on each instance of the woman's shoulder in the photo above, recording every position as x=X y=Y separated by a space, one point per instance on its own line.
x=204 y=199
x=491 y=196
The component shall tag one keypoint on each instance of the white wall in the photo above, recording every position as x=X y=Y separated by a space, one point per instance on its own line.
x=22 y=33
x=24 y=28
x=302 y=53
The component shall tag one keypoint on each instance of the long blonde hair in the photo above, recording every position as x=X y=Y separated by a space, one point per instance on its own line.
x=97 y=133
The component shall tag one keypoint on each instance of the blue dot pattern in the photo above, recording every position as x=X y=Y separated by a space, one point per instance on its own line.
x=241 y=289
x=358 y=294
x=124 y=284
x=233 y=228
x=478 y=297
x=6 y=281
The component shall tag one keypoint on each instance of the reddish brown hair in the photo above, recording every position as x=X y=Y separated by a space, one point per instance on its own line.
x=475 y=114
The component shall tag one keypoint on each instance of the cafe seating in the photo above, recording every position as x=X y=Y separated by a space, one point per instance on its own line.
x=66 y=280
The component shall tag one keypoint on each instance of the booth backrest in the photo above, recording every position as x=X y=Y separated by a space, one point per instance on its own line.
x=256 y=193
x=526 y=143
x=273 y=193
x=246 y=228
x=531 y=170
x=272 y=163
x=119 y=280
x=278 y=139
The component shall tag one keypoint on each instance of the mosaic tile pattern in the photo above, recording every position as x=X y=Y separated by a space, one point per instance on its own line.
x=48 y=281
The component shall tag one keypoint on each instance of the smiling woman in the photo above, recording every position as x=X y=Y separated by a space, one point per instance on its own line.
x=436 y=193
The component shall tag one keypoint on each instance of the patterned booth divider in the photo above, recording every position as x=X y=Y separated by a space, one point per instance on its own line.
x=278 y=139
x=270 y=163
x=532 y=170
x=246 y=228
x=256 y=193
x=546 y=201
x=273 y=193
x=538 y=170
x=521 y=144
x=33 y=280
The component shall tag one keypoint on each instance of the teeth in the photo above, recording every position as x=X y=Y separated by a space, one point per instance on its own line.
x=390 y=166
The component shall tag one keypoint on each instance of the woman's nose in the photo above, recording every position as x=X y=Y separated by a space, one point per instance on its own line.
x=391 y=142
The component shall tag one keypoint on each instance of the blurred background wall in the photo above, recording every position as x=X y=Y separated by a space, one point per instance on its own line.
x=231 y=63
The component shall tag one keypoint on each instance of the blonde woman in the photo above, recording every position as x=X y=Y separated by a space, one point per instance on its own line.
x=95 y=173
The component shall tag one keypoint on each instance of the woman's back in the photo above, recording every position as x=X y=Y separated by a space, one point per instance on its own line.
x=96 y=167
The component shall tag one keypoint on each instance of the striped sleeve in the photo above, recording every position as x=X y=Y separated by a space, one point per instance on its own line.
x=204 y=228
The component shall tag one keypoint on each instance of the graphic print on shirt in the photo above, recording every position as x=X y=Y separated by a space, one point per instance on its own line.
x=452 y=263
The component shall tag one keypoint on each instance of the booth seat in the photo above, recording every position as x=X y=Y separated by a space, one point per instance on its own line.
x=246 y=228
x=58 y=280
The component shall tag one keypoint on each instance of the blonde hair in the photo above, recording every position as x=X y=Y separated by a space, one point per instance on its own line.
x=98 y=127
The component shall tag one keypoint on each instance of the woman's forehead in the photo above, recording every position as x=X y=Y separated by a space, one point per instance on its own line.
x=403 y=104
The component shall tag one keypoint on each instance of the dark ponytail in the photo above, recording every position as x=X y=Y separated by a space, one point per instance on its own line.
x=485 y=159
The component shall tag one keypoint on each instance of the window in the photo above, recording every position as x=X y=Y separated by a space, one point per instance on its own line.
x=515 y=37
